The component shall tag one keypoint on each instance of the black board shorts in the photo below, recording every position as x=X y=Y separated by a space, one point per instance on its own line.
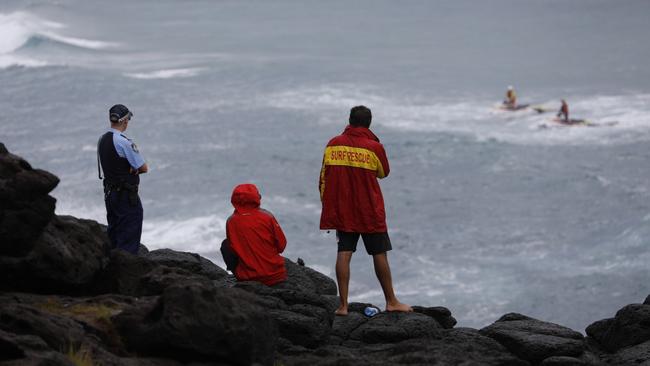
x=375 y=243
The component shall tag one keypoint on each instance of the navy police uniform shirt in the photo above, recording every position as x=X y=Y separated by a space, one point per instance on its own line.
x=124 y=211
x=127 y=149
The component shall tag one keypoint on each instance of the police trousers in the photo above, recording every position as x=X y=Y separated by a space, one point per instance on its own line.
x=124 y=216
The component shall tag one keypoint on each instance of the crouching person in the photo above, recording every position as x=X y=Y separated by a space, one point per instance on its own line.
x=254 y=240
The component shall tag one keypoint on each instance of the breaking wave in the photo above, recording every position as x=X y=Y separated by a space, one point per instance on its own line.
x=166 y=74
x=23 y=31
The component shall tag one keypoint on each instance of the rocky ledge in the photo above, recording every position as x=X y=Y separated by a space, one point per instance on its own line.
x=67 y=299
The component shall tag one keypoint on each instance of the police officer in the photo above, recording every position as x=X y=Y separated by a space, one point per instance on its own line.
x=122 y=164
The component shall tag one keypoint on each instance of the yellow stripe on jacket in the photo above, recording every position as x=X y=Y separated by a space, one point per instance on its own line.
x=356 y=157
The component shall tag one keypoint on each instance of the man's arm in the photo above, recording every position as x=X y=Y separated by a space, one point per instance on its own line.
x=384 y=168
x=230 y=235
x=143 y=169
x=321 y=179
x=127 y=149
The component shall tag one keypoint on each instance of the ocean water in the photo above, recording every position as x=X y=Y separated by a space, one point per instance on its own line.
x=489 y=211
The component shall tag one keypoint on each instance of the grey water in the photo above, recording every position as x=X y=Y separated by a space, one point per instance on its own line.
x=489 y=211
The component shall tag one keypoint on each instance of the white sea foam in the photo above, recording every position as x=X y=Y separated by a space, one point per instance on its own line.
x=614 y=118
x=197 y=234
x=291 y=204
x=19 y=28
x=327 y=271
x=166 y=74
x=66 y=205
x=14 y=60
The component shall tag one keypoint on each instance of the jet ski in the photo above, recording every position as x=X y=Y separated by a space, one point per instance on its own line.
x=577 y=122
x=506 y=107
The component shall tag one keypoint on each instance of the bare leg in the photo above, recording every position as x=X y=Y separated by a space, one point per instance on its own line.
x=343 y=280
x=382 y=270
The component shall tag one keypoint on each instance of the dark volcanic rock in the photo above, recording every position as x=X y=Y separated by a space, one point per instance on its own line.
x=388 y=327
x=28 y=350
x=455 y=347
x=159 y=278
x=191 y=262
x=630 y=326
x=290 y=296
x=441 y=314
x=452 y=347
x=598 y=330
x=304 y=317
x=124 y=273
x=67 y=257
x=563 y=361
x=198 y=322
x=150 y=274
x=58 y=332
x=142 y=249
x=534 y=340
x=306 y=279
x=634 y=355
x=25 y=206
x=302 y=329
x=647 y=300
x=343 y=326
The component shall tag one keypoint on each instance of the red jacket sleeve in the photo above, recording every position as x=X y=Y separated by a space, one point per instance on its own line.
x=321 y=178
x=229 y=236
x=383 y=160
x=280 y=239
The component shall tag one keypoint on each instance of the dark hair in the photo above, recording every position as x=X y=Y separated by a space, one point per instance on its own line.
x=360 y=116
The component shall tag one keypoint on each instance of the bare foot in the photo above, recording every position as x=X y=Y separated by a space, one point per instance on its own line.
x=342 y=311
x=399 y=307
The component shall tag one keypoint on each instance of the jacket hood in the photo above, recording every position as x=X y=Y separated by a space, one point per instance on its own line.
x=359 y=131
x=245 y=197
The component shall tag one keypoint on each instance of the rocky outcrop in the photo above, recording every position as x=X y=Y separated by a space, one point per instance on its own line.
x=66 y=258
x=40 y=252
x=629 y=327
x=19 y=350
x=441 y=314
x=626 y=336
x=195 y=321
x=534 y=340
x=25 y=206
x=66 y=298
x=450 y=347
x=190 y=262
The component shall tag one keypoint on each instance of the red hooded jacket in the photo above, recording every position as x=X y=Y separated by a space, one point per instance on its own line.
x=349 y=190
x=256 y=237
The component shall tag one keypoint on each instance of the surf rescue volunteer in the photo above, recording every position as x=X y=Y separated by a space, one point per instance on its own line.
x=254 y=240
x=564 y=111
x=511 y=97
x=352 y=203
x=122 y=164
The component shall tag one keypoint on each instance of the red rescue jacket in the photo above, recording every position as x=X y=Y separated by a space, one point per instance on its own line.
x=349 y=190
x=256 y=237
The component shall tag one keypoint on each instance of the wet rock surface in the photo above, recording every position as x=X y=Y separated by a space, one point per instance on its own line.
x=630 y=326
x=534 y=340
x=194 y=321
x=66 y=298
x=190 y=262
x=25 y=206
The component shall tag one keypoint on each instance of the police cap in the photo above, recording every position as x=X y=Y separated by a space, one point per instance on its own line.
x=118 y=113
